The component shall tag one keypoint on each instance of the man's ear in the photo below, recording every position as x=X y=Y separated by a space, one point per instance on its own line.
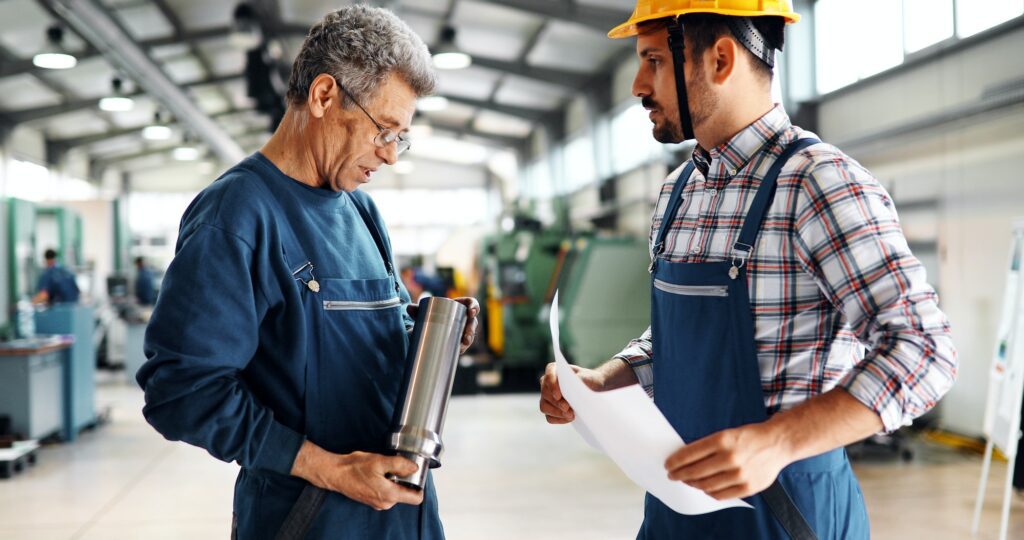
x=723 y=57
x=323 y=94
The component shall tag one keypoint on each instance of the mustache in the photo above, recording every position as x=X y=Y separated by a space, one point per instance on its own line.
x=648 y=103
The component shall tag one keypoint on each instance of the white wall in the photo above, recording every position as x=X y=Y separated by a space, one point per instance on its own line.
x=98 y=235
x=973 y=170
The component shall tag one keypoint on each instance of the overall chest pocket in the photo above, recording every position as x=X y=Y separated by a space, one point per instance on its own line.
x=360 y=362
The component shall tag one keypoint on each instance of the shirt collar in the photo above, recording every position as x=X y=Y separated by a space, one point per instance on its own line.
x=733 y=155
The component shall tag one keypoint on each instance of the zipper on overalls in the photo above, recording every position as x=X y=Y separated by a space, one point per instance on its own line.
x=336 y=305
x=691 y=290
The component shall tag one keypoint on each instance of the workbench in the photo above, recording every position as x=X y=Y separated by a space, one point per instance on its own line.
x=32 y=386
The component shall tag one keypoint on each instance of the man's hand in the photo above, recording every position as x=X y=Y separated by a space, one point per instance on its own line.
x=555 y=408
x=472 y=310
x=742 y=461
x=358 y=476
x=736 y=462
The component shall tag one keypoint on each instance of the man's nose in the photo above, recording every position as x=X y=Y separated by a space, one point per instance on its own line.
x=388 y=153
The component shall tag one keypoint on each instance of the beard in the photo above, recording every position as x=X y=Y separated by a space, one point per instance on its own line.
x=667 y=130
x=702 y=103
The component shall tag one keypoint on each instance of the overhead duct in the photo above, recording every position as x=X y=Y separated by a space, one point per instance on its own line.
x=96 y=26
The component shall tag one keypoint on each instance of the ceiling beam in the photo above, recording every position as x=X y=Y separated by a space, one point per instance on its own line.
x=107 y=161
x=596 y=18
x=179 y=33
x=526 y=113
x=29 y=115
x=459 y=129
x=560 y=77
x=92 y=21
x=85 y=140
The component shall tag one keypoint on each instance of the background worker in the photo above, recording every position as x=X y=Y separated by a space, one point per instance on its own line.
x=280 y=334
x=789 y=317
x=145 y=293
x=56 y=284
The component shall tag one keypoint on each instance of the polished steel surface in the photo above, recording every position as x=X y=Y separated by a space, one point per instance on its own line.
x=427 y=386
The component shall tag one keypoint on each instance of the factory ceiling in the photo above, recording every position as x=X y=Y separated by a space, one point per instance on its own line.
x=529 y=58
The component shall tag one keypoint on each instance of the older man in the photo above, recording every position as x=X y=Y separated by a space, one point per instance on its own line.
x=279 y=336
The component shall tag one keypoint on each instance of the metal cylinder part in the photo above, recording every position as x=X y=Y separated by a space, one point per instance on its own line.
x=427 y=386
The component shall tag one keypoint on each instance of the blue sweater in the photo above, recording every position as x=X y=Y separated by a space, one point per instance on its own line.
x=229 y=340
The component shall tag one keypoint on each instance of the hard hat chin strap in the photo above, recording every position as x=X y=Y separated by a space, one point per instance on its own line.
x=675 y=44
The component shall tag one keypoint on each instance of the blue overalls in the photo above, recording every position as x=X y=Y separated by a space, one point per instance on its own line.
x=707 y=379
x=281 y=319
x=357 y=357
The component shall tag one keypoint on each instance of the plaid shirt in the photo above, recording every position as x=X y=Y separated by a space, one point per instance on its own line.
x=837 y=297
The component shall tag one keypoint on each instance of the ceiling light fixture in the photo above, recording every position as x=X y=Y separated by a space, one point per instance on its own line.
x=246 y=32
x=448 y=55
x=185 y=153
x=158 y=131
x=54 y=56
x=432 y=103
x=117 y=102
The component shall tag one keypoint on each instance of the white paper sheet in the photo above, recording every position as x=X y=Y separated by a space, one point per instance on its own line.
x=627 y=426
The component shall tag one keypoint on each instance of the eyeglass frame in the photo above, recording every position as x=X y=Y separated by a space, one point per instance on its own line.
x=402 y=144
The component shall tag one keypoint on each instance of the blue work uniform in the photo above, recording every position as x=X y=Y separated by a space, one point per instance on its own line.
x=144 y=292
x=279 y=320
x=707 y=379
x=59 y=284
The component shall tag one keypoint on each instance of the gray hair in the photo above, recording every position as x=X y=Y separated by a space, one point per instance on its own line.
x=360 y=46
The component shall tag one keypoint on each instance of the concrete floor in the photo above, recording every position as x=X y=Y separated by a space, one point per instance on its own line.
x=507 y=475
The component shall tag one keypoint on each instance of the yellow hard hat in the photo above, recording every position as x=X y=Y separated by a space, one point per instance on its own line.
x=649 y=10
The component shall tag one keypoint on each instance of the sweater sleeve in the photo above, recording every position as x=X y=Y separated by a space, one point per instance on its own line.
x=203 y=333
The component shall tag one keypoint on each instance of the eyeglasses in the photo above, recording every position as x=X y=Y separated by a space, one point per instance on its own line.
x=386 y=136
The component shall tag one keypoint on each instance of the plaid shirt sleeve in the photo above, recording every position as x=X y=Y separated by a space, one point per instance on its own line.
x=638 y=357
x=847 y=235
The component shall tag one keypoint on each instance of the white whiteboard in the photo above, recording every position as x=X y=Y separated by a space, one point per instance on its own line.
x=1006 y=379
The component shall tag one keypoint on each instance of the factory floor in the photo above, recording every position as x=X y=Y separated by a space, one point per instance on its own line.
x=507 y=475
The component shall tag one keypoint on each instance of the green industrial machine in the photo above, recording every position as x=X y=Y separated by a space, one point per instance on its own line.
x=604 y=297
x=6 y=304
x=23 y=267
x=61 y=229
x=122 y=236
x=518 y=273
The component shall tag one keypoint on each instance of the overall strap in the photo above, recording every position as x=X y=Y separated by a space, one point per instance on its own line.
x=674 y=202
x=300 y=518
x=763 y=199
x=775 y=497
x=378 y=238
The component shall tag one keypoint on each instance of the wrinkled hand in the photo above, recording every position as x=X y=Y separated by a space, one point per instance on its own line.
x=472 y=308
x=555 y=408
x=736 y=462
x=358 y=476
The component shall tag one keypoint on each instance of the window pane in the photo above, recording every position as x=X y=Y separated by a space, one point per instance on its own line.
x=855 y=40
x=883 y=48
x=632 y=142
x=834 y=36
x=973 y=16
x=926 y=22
x=579 y=163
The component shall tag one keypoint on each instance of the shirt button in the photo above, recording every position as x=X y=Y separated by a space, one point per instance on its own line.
x=712 y=192
x=695 y=251
x=733 y=172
